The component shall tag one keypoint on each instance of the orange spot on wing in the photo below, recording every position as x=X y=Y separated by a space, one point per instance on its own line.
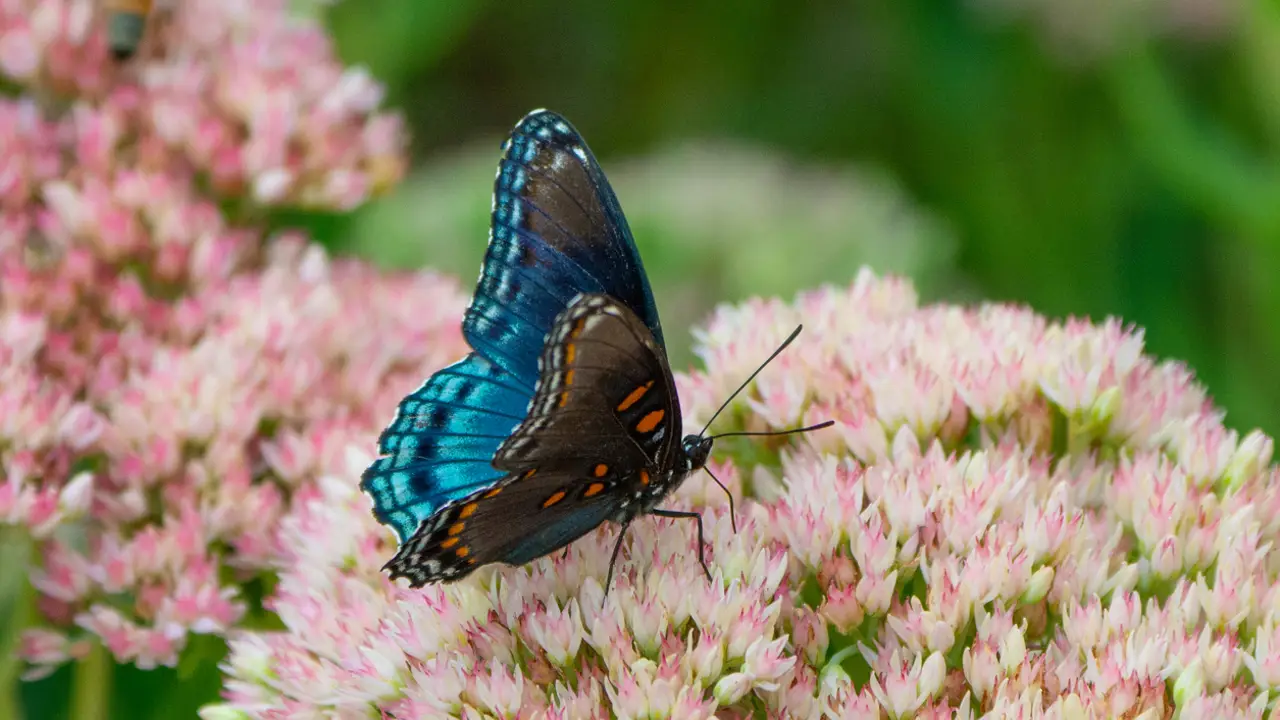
x=564 y=398
x=650 y=421
x=467 y=511
x=556 y=497
x=463 y=551
x=634 y=397
x=456 y=528
x=497 y=490
x=570 y=351
x=593 y=489
x=644 y=477
x=568 y=377
x=601 y=470
x=449 y=542
x=528 y=473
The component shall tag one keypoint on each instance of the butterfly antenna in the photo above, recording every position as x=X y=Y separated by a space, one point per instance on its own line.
x=747 y=382
x=774 y=433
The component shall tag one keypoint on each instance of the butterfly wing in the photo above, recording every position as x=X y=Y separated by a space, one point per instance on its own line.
x=557 y=230
x=602 y=421
x=515 y=521
x=441 y=443
x=604 y=390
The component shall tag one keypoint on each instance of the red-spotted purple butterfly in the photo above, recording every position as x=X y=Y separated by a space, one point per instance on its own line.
x=565 y=414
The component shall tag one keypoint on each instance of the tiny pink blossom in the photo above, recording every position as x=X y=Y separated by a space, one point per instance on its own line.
x=559 y=632
x=46 y=649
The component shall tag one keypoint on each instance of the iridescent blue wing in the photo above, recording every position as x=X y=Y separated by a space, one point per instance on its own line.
x=602 y=425
x=441 y=443
x=556 y=231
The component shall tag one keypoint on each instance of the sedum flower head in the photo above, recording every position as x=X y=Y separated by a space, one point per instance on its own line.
x=240 y=92
x=172 y=376
x=1010 y=518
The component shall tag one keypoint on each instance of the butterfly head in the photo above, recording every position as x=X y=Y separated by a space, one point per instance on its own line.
x=697 y=448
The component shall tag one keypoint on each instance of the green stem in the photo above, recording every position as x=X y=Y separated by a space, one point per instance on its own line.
x=9 y=701
x=1079 y=438
x=18 y=601
x=1202 y=163
x=1259 y=43
x=91 y=686
x=23 y=612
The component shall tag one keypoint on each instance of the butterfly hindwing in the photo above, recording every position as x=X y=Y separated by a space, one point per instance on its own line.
x=522 y=517
x=440 y=445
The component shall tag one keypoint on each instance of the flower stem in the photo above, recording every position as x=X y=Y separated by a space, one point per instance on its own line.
x=1260 y=55
x=1202 y=163
x=91 y=686
x=17 y=601
x=1078 y=436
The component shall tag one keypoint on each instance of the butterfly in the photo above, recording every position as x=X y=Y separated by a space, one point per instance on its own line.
x=565 y=413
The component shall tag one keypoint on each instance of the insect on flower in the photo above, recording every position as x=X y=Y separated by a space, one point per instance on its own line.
x=565 y=414
x=126 y=26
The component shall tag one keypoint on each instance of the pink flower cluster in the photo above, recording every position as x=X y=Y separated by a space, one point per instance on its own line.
x=1011 y=518
x=236 y=93
x=169 y=378
x=194 y=433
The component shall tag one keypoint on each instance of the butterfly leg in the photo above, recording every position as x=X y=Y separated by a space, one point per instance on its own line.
x=733 y=516
x=613 y=559
x=702 y=546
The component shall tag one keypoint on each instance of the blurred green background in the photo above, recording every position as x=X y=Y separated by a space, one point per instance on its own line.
x=1086 y=157
x=1083 y=156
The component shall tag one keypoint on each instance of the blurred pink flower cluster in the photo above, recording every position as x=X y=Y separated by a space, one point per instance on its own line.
x=1011 y=516
x=236 y=94
x=170 y=377
x=1089 y=30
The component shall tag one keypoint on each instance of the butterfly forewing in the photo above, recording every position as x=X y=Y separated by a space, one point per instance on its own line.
x=556 y=231
x=522 y=517
x=604 y=391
